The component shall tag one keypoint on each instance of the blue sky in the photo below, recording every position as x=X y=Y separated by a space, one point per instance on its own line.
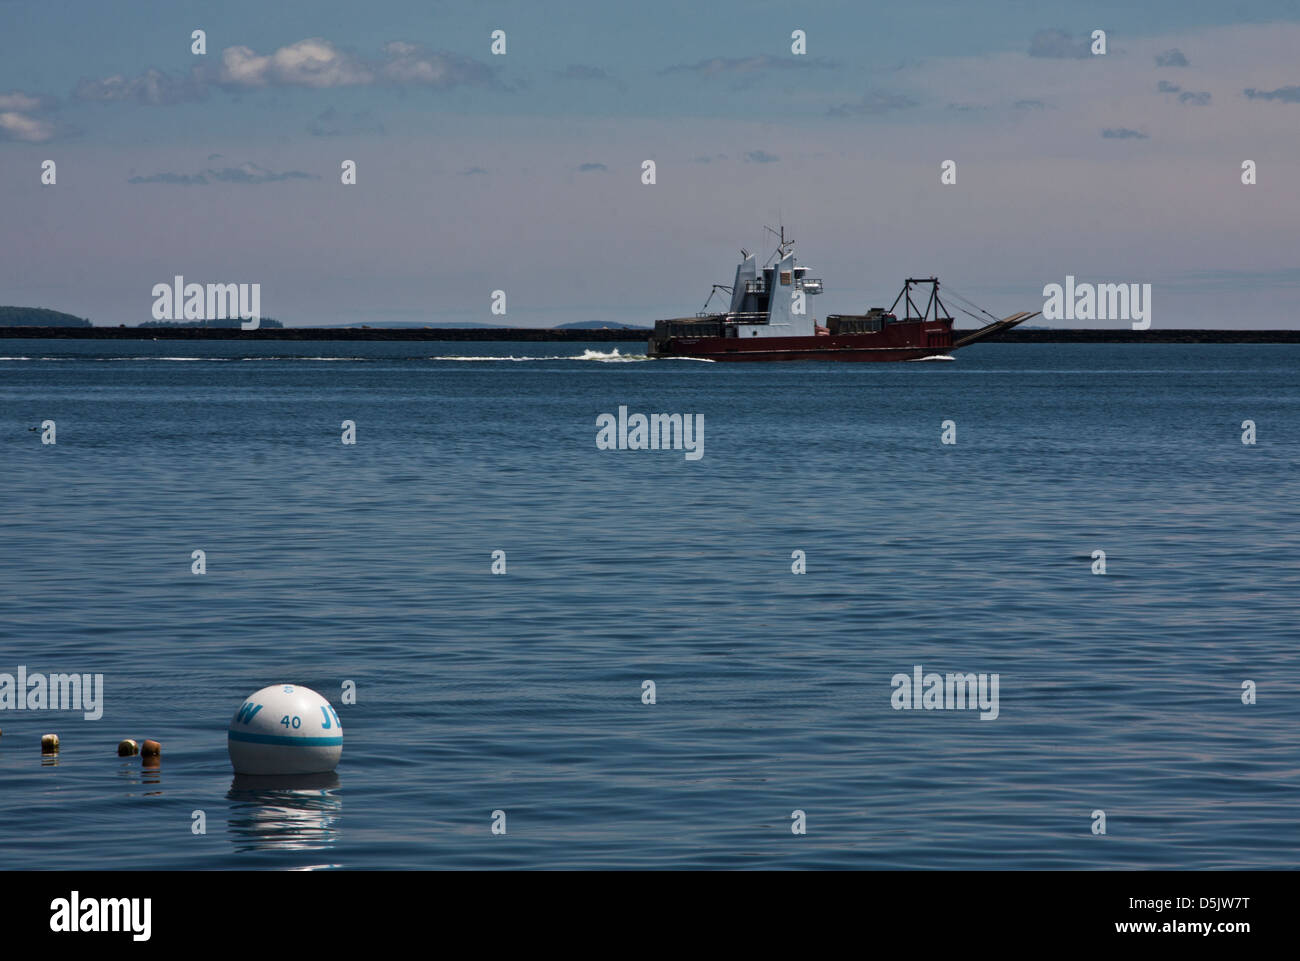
x=522 y=172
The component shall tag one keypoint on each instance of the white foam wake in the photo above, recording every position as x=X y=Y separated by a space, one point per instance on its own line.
x=499 y=357
x=598 y=356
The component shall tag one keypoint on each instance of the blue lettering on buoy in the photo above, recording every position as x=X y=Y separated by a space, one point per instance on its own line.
x=245 y=716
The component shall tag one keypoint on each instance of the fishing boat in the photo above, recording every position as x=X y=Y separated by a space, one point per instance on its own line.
x=768 y=318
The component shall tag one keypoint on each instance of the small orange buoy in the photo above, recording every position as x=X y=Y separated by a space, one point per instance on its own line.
x=128 y=748
x=49 y=744
x=151 y=749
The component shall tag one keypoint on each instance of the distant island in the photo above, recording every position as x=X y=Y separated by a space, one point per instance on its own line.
x=43 y=317
x=39 y=317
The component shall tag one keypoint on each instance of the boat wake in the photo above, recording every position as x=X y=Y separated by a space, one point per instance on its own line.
x=597 y=356
x=917 y=360
x=610 y=357
x=614 y=357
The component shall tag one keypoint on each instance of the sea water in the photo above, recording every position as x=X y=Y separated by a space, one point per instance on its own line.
x=524 y=692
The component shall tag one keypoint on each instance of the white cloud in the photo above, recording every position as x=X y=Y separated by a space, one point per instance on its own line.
x=308 y=63
x=314 y=63
x=22 y=102
x=409 y=63
x=19 y=126
x=19 y=120
x=318 y=63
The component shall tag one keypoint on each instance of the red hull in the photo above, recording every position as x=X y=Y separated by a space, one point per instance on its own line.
x=900 y=341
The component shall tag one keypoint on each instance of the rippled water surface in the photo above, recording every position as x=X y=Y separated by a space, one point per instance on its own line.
x=522 y=692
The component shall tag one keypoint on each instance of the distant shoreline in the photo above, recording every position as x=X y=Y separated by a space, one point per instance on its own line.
x=525 y=334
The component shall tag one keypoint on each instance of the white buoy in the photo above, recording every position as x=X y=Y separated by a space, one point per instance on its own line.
x=285 y=729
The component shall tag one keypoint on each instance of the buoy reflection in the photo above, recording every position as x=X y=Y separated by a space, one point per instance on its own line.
x=284 y=812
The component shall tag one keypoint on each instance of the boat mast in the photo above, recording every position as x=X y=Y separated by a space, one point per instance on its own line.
x=781 y=250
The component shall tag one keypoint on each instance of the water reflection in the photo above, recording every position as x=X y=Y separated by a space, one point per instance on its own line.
x=284 y=813
x=150 y=772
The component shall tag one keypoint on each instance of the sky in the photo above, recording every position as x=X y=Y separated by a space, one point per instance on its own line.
x=522 y=171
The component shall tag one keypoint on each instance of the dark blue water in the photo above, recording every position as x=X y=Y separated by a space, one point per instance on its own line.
x=522 y=692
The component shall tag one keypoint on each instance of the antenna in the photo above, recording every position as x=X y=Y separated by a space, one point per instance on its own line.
x=782 y=245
